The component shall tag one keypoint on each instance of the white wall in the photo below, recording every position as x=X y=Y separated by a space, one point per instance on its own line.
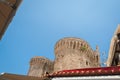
x=116 y=77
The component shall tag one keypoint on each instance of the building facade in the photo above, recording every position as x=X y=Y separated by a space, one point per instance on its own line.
x=102 y=73
x=8 y=9
x=114 y=51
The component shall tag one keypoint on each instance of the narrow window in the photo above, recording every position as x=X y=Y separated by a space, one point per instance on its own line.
x=74 y=46
x=96 y=58
x=86 y=63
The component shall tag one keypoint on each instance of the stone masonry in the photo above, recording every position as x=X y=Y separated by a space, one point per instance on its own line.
x=113 y=48
x=40 y=66
x=74 y=53
x=70 y=53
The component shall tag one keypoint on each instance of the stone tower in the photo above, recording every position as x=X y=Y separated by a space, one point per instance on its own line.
x=114 y=51
x=39 y=66
x=74 y=53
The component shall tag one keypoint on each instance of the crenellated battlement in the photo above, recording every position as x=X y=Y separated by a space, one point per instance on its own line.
x=39 y=66
x=39 y=60
x=72 y=43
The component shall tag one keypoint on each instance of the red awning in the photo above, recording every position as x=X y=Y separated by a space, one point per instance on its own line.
x=88 y=72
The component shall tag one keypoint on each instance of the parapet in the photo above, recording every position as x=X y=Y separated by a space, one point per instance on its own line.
x=39 y=60
x=39 y=66
x=72 y=43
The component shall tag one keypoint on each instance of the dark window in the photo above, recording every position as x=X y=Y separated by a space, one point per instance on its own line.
x=74 y=46
x=96 y=58
x=118 y=35
x=86 y=63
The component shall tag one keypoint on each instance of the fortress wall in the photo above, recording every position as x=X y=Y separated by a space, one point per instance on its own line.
x=73 y=53
x=70 y=53
x=39 y=66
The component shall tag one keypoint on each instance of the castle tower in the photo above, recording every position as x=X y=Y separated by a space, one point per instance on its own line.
x=114 y=51
x=73 y=53
x=40 y=66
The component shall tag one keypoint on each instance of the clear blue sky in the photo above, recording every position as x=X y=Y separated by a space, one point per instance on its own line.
x=39 y=24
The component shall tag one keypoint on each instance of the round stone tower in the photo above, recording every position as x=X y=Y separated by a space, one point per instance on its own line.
x=39 y=66
x=74 y=53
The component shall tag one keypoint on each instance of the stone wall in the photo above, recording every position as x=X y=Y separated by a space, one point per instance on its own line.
x=113 y=46
x=70 y=53
x=39 y=66
x=74 y=53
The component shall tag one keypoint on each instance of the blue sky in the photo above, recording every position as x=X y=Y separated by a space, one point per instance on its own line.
x=39 y=24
